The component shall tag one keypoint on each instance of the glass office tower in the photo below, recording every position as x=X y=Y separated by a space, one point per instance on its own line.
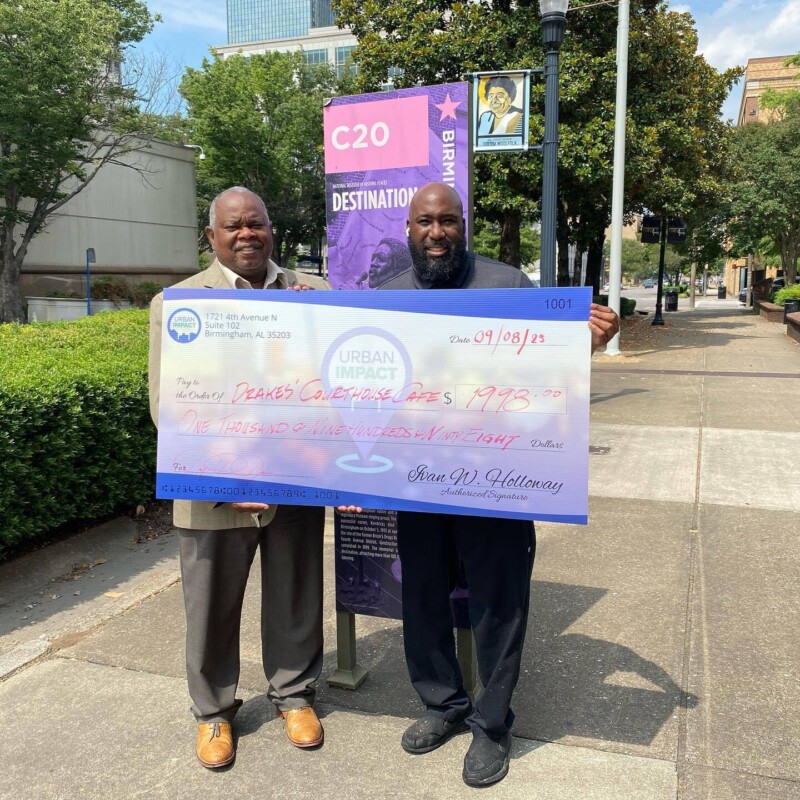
x=263 y=20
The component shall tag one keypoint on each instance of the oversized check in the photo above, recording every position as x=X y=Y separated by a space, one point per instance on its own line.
x=468 y=402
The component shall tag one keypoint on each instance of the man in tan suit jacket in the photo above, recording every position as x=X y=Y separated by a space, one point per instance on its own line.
x=218 y=541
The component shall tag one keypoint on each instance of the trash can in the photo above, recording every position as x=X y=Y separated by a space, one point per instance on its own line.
x=722 y=292
x=790 y=307
x=671 y=300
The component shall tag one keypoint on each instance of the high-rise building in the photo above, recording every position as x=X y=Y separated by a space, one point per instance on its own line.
x=264 y=20
x=258 y=26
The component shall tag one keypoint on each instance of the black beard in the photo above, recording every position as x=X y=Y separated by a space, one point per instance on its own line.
x=437 y=270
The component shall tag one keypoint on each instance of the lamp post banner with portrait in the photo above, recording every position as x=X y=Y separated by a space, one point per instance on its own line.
x=501 y=101
x=379 y=149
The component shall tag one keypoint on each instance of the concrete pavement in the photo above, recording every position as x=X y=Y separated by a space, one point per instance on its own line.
x=662 y=651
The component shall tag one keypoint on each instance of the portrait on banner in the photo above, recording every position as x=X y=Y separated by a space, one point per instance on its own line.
x=501 y=110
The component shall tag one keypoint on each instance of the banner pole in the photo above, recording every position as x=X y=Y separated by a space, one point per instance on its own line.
x=465 y=639
x=348 y=674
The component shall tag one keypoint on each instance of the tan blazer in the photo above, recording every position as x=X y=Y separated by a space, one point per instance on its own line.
x=193 y=514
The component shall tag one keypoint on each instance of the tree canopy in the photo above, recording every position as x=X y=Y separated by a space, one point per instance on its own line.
x=487 y=242
x=765 y=192
x=780 y=99
x=259 y=121
x=675 y=138
x=66 y=112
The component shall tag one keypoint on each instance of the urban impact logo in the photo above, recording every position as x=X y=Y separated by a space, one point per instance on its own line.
x=184 y=325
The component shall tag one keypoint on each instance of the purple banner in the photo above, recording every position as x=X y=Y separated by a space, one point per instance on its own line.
x=379 y=149
x=368 y=574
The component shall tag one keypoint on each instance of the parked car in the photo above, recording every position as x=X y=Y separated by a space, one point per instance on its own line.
x=779 y=283
x=648 y=283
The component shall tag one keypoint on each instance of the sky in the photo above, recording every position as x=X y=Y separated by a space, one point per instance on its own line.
x=730 y=32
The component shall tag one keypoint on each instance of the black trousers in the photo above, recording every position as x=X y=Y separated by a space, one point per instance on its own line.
x=497 y=555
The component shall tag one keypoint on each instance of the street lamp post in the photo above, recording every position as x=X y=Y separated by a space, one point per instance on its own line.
x=554 y=26
x=658 y=318
x=90 y=259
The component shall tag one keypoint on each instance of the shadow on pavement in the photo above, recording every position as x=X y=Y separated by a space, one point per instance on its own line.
x=571 y=684
x=602 y=397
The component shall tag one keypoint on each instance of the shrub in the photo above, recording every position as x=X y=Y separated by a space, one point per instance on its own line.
x=111 y=287
x=626 y=305
x=144 y=292
x=76 y=439
x=787 y=293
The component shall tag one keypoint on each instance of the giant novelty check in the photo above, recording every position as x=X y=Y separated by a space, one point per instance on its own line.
x=468 y=402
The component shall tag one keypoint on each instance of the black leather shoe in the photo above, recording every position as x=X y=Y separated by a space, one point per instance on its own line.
x=430 y=732
x=486 y=761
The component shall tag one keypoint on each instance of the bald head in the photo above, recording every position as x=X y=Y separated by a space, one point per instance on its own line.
x=212 y=209
x=436 y=232
x=436 y=193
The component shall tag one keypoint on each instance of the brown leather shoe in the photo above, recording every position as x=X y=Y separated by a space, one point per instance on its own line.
x=215 y=744
x=303 y=726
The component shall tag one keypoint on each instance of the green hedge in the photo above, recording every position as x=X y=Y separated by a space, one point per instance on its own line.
x=76 y=439
x=682 y=289
x=787 y=293
x=626 y=305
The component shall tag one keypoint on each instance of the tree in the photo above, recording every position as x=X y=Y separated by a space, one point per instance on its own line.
x=640 y=261
x=707 y=238
x=259 y=121
x=67 y=111
x=487 y=241
x=766 y=189
x=675 y=137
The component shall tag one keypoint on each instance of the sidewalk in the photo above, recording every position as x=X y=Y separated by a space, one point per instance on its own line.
x=662 y=652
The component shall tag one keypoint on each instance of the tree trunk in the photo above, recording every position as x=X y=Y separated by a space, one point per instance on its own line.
x=277 y=248
x=576 y=267
x=509 y=238
x=10 y=300
x=594 y=263
x=789 y=253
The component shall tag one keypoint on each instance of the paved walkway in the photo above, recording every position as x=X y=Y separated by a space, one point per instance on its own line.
x=662 y=652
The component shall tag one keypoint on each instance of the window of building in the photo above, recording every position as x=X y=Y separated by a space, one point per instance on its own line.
x=315 y=56
x=342 y=58
x=257 y=20
x=322 y=16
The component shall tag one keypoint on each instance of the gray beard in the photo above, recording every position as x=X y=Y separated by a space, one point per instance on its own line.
x=437 y=270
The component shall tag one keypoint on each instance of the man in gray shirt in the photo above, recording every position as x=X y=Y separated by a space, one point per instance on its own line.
x=497 y=554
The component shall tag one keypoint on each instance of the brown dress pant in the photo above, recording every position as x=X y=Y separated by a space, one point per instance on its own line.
x=214 y=568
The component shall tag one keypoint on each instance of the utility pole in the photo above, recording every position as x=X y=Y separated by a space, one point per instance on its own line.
x=618 y=188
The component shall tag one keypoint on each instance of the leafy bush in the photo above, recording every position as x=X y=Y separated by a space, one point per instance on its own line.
x=787 y=293
x=145 y=291
x=76 y=440
x=626 y=305
x=682 y=289
x=111 y=287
